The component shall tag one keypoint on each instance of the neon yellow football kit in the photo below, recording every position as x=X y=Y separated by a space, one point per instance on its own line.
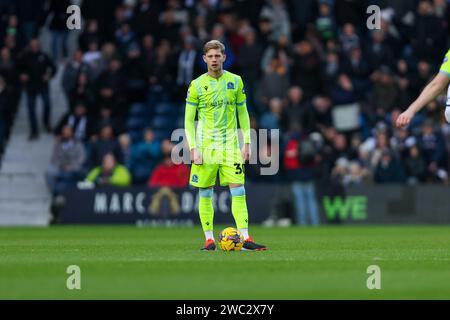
x=217 y=102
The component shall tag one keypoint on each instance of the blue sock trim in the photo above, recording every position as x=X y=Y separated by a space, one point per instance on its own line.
x=239 y=191
x=205 y=192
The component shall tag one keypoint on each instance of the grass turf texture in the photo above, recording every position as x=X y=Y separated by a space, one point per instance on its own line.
x=302 y=263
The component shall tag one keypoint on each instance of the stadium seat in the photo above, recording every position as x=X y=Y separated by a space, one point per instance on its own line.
x=135 y=123
x=162 y=122
x=165 y=109
x=139 y=110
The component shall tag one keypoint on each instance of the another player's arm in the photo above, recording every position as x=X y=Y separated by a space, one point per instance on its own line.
x=244 y=119
x=429 y=93
x=189 y=123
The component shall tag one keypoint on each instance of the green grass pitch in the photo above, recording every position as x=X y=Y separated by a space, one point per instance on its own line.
x=158 y=263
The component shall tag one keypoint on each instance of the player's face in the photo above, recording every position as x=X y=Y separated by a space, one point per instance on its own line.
x=214 y=58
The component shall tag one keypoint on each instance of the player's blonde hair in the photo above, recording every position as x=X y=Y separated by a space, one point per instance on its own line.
x=214 y=44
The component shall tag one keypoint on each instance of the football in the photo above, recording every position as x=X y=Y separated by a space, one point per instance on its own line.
x=230 y=239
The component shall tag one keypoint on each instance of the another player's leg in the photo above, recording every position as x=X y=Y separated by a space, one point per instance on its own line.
x=240 y=214
x=206 y=212
x=447 y=113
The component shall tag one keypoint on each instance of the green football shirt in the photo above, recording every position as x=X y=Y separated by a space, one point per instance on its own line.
x=445 y=69
x=217 y=101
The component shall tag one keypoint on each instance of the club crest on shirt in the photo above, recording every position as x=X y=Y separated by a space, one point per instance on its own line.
x=230 y=85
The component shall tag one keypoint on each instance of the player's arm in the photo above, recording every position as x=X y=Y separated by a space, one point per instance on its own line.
x=244 y=119
x=429 y=93
x=189 y=122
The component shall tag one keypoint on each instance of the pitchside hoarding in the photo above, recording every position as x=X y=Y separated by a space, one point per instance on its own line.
x=152 y=206
x=388 y=204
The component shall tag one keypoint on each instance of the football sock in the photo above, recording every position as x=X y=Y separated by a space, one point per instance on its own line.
x=206 y=212
x=239 y=208
x=209 y=235
x=244 y=232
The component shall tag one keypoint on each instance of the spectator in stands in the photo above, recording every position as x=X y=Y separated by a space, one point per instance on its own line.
x=300 y=163
x=294 y=112
x=78 y=121
x=331 y=69
x=66 y=162
x=343 y=91
x=73 y=68
x=58 y=27
x=248 y=59
x=11 y=32
x=275 y=82
x=110 y=173
x=403 y=80
x=145 y=157
x=358 y=70
x=378 y=51
x=124 y=38
x=160 y=72
x=125 y=145
x=272 y=118
x=148 y=50
x=318 y=115
x=36 y=70
x=168 y=174
x=421 y=77
x=83 y=92
x=280 y=50
x=8 y=69
x=94 y=60
x=106 y=118
x=306 y=69
x=349 y=38
x=357 y=174
x=106 y=144
x=136 y=75
x=30 y=14
x=111 y=87
x=339 y=149
x=432 y=146
x=389 y=169
x=145 y=17
x=325 y=21
x=90 y=35
x=385 y=91
x=429 y=33
x=187 y=66
x=276 y=12
x=415 y=166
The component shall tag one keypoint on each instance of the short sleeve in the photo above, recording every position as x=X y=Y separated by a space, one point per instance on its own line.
x=192 y=95
x=445 y=67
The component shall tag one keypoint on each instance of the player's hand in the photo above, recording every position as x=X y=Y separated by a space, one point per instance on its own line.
x=246 y=152
x=196 y=156
x=404 y=119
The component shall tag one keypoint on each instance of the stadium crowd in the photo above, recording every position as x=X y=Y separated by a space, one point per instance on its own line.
x=311 y=68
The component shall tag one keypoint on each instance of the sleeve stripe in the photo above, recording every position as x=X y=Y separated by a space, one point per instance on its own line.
x=192 y=103
x=445 y=72
x=241 y=103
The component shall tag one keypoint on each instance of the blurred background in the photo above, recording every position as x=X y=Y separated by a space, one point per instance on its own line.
x=99 y=105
